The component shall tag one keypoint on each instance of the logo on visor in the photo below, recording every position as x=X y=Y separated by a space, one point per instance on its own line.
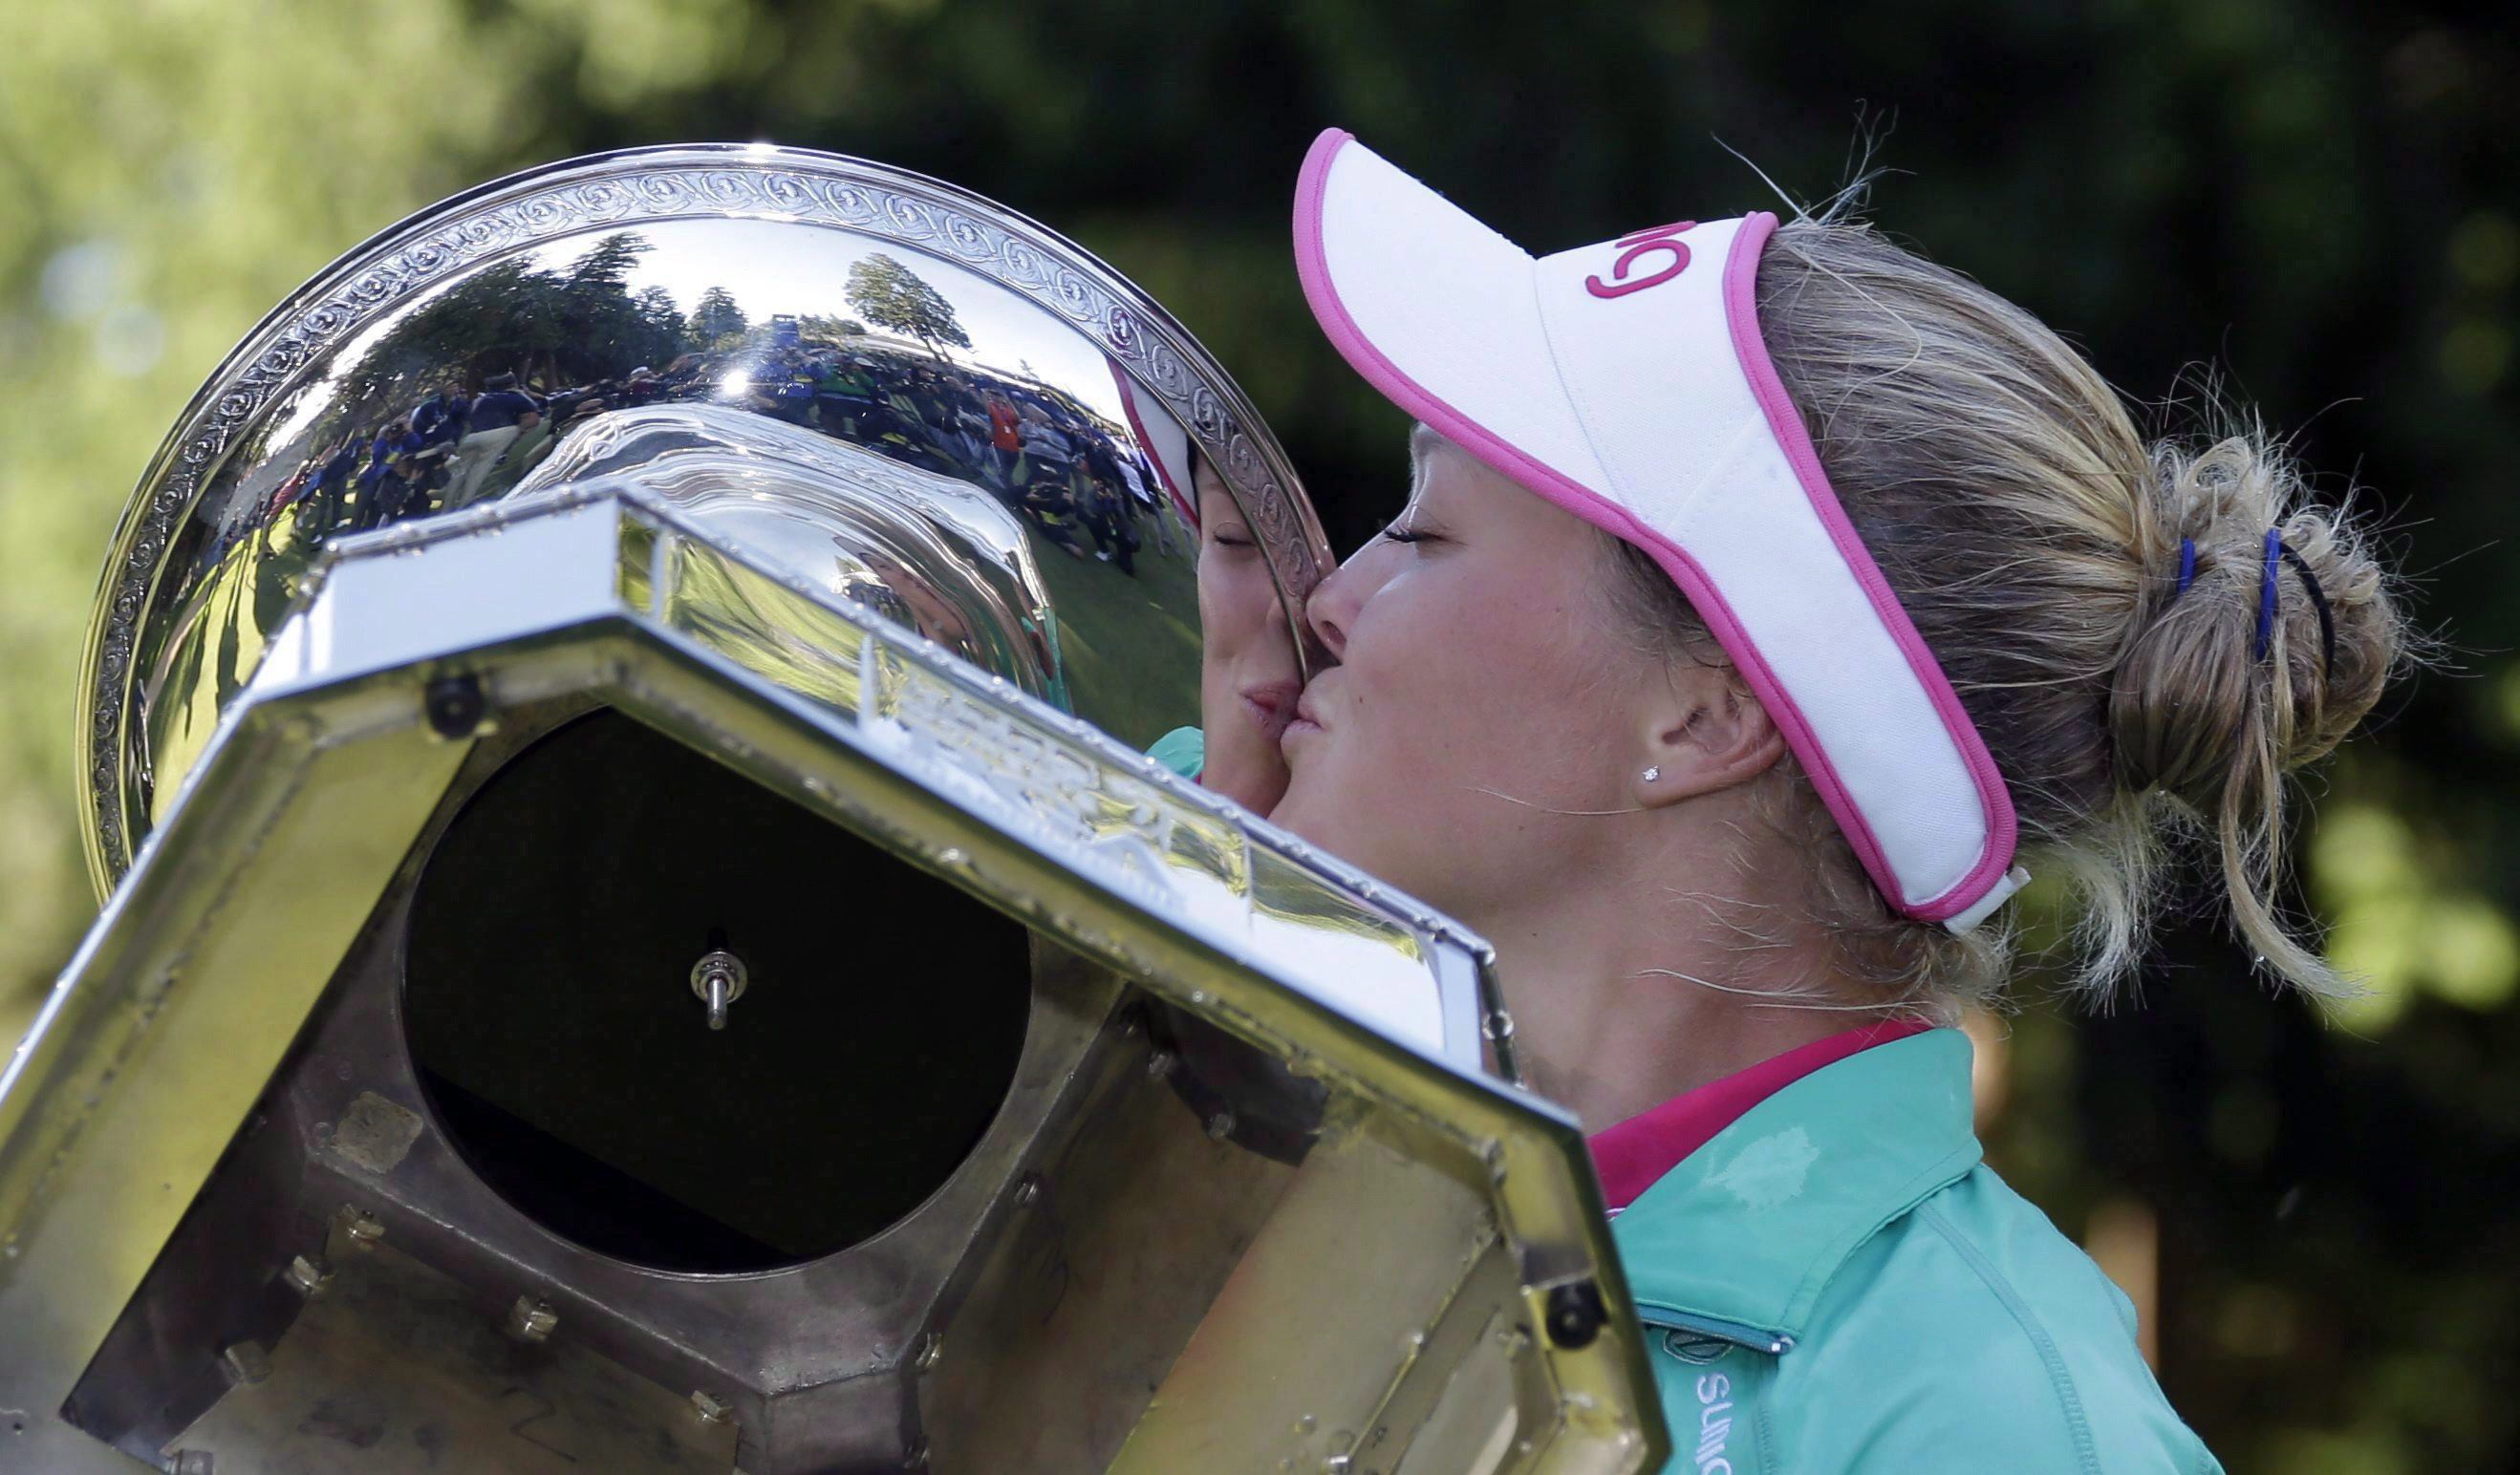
x=1641 y=244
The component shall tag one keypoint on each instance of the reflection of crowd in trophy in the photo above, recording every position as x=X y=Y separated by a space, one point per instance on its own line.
x=1054 y=463
x=435 y=458
x=1048 y=459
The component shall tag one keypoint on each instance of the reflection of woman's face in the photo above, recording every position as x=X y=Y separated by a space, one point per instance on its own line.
x=1248 y=680
x=930 y=612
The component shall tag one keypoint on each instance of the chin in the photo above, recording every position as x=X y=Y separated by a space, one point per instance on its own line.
x=1310 y=816
x=1287 y=815
x=1369 y=836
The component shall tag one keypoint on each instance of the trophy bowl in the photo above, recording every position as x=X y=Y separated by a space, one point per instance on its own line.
x=1045 y=416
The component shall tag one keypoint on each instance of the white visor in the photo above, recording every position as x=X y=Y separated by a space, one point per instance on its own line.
x=1627 y=383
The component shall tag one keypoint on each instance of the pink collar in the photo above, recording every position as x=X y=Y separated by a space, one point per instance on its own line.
x=1632 y=1155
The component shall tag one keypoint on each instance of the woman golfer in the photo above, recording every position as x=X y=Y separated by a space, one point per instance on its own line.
x=1769 y=605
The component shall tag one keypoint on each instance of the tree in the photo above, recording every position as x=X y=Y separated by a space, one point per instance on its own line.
x=892 y=296
x=717 y=320
x=574 y=326
x=656 y=307
x=485 y=326
x=829 y=329
x=603 y=331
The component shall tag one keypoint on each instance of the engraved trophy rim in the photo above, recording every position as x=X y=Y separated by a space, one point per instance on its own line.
x=652 y=183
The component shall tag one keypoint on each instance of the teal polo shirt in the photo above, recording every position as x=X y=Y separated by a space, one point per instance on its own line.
x=1837 y=1283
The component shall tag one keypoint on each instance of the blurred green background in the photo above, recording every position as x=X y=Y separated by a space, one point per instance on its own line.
x=2321 y=201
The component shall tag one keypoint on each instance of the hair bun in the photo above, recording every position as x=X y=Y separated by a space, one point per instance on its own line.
x=2198 y=710
x=2194 y=698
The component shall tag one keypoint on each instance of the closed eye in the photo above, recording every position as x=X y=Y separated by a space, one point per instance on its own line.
x=1398 y=534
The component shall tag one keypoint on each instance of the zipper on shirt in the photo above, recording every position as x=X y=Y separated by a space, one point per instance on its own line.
x=1757 y=1339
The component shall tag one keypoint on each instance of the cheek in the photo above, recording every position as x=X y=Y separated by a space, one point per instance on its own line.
x=1471 y=671
x=1236 y=603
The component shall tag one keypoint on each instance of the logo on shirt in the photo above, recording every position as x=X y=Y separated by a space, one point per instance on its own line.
x=1714 y=1424
x=1769 y=1171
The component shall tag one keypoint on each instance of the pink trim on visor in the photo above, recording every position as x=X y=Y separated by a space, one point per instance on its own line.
x=1991 y=870
x=1741 y=315
x=1188 y=506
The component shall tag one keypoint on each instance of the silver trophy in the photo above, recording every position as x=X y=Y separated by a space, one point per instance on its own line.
x=644 y=935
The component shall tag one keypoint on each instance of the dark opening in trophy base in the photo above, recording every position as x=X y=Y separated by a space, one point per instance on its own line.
x=549 y=1001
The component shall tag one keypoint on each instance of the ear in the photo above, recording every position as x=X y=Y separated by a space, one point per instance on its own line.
x=1698 y=731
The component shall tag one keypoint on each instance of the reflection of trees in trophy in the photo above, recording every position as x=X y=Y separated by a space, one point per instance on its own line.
x=718 y=322
x=892 y=296
x=827 y=330
x=574 y=325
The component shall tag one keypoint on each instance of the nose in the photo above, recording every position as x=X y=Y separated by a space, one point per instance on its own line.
x=1334 y=603
x=1326 y=618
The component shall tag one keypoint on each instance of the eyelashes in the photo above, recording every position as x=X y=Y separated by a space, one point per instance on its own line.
x=1397 y=535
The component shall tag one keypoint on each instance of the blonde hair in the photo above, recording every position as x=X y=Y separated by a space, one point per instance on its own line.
x=2034 y=537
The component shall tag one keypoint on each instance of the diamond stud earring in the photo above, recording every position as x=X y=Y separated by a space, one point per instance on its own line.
x=1652 y=774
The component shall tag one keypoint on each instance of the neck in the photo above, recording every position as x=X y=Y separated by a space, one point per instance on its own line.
x=1623 y=996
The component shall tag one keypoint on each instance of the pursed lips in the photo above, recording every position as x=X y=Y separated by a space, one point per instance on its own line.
x=1305 y=721
x=1274 y=703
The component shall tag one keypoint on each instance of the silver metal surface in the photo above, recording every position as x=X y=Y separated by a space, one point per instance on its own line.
x=835 y=297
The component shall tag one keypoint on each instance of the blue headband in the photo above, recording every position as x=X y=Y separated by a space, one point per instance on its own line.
x=2276 y=553
x=2267 y=595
